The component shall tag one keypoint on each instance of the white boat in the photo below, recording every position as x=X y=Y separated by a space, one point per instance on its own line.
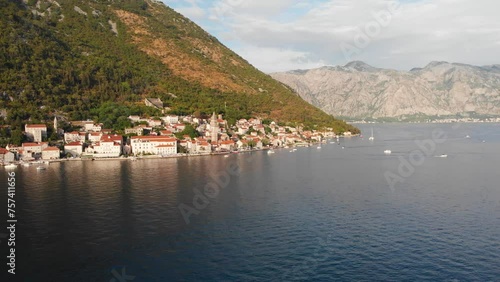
x=387 y=152
x=442 y=156
x=226 y=156
x=40 y=168
x=371 y=137
x=319 y=147
x=11 y=166
x=26 y=164
x=132 y=158
x=468 y=136
x=270 y=152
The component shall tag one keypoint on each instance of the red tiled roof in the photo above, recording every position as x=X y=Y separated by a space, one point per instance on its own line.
x=31 y=144
x=155 y=138
x=165 y=146
x=36 y=126
x=3 y=151
x=51 y=149
x=111 y=138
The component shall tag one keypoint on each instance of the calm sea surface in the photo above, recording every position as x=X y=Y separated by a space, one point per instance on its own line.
x=312 y=215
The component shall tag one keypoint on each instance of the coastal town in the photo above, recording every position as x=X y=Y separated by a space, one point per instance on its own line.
x=150 y=137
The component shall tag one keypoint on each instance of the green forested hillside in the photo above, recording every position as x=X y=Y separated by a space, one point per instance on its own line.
x=69 y=57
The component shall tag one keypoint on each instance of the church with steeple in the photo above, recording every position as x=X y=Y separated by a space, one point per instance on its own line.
x=214 y=129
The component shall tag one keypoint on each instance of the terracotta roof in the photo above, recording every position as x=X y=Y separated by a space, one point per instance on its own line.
x=3 y=151
x=155 y=138
x=31 y=144
x=36 y=126
x=111 y=138
x=51 y=149
x=165 y=146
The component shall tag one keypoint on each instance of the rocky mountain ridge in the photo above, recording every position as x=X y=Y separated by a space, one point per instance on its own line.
x=358 y=90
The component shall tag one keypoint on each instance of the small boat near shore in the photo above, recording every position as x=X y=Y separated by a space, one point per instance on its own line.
x=371 y=137
x=387 y=152
x=442 y=156
x=10 y=166
x=40 y=168
x=270 y=152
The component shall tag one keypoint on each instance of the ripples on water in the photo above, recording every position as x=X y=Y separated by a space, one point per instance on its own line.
x=312 y=215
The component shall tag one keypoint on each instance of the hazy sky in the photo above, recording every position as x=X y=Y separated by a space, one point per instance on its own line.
x=280 y=35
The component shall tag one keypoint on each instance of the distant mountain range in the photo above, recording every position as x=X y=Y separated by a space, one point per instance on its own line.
x=358 y=90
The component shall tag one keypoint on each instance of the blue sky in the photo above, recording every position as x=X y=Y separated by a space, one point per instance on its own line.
x=280 y=35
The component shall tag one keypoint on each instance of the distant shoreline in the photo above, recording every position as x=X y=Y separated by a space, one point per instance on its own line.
x=152 y=157
x=139 y=158
x=419 y=122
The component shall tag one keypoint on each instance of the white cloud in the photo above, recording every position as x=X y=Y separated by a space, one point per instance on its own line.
x=193 y=12
x=303 y=34
x=275 y=59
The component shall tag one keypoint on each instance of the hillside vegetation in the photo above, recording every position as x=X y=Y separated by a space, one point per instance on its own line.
x=68 y=57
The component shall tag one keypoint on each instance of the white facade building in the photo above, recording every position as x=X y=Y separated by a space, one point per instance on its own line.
x=36 y=132
x=51 y=153
x=74 y=148
x=95 y=137
x=6 y=156
x=34 y=148
x=170 y=119
x=105 y=149
x=91 y=126
x=154 y=145
x=75 y=136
